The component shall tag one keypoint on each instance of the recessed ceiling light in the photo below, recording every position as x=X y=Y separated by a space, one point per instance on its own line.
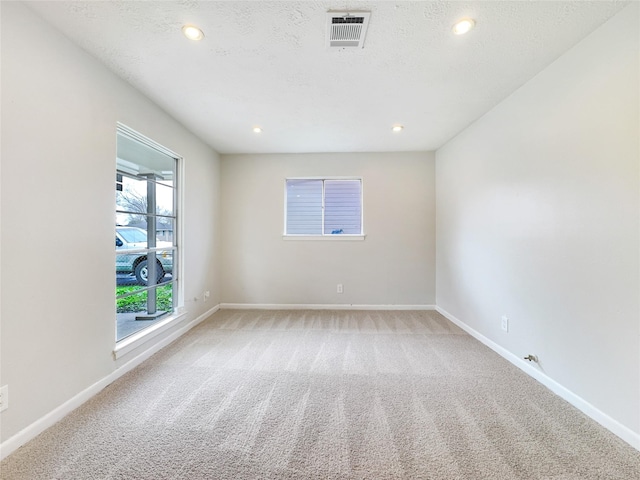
x=192 y=32
x=463 y=26
x=257 y=130
x=397 y=128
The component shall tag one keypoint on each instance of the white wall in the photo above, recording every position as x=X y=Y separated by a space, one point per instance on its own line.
x=59 y=114
x=394 y=265
x=538 y=218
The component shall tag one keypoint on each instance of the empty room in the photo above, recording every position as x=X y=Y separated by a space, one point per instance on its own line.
x=353 y=239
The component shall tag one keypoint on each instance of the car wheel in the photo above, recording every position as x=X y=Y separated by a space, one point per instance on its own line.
x=142 y=272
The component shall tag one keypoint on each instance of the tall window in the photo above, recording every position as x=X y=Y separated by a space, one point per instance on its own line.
x=146 y=250
x=323 y=206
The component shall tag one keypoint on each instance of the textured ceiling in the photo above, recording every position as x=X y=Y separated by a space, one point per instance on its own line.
x=266 y=63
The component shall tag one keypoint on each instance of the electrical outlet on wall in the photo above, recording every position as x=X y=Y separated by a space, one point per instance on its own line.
x=4 y=398
x=206 y=295
x=339 y=289
x=505 y=323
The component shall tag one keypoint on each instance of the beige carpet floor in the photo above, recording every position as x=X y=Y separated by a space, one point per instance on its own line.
x=325 y=395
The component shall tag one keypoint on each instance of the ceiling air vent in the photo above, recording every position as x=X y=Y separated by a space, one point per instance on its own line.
x=347 y=29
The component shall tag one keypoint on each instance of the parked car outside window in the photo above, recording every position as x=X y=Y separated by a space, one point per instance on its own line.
x=134 y=238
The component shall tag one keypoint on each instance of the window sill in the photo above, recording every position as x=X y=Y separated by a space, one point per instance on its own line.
x=132 y=342
x=324 y=238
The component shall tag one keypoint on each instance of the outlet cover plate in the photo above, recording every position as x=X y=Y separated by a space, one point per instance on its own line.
x=4 y=398
x=505 y=323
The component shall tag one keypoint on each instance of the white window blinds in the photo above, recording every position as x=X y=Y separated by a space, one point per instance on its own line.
x=323 y=207
x=304 y=207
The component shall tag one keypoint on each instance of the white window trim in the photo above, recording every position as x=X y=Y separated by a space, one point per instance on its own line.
x=131 y=342
x=324 y=236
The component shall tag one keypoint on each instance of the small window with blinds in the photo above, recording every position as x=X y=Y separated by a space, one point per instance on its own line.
x=323 y=206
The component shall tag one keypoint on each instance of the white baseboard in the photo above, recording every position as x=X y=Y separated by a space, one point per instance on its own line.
x=625 y=433
x=319 y=306
x=23 y=436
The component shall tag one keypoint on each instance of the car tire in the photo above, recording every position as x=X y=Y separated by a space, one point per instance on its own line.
x=141 y=272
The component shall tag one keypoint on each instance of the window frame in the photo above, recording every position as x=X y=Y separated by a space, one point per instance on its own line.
x=134 y=340
x=325 y=236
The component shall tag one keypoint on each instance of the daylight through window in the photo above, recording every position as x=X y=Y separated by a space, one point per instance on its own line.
x=146 y=219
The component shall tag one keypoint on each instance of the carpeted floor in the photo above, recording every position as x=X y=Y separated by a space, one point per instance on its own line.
x=325 y=395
